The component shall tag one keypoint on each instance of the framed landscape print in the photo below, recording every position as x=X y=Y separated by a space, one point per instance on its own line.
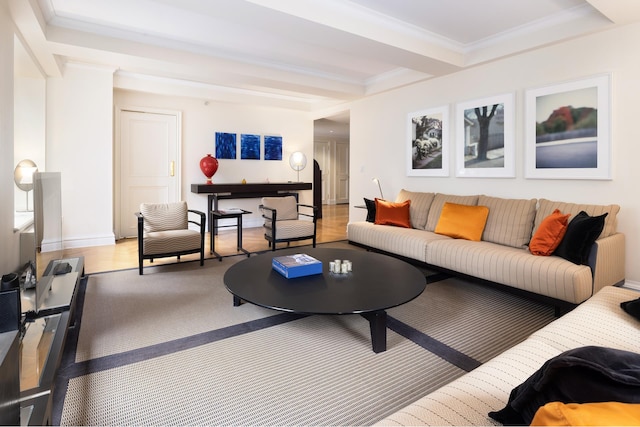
x=428 y=142
x=568 y=132
x=485 y=136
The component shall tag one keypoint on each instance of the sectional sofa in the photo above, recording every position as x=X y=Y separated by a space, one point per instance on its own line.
x=502 y=256
x=600 y=322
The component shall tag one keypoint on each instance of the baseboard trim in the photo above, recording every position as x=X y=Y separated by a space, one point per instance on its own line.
x=631 y=284
x=88 y=241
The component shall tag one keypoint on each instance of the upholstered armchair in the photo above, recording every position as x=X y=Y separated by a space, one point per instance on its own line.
x=286 y=220
x=163 y=231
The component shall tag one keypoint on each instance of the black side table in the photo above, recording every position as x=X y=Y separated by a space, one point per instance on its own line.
x=224 y=214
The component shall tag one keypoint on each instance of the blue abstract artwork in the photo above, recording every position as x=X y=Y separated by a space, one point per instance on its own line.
x=250 y=146
x=225 y=145
x=273 y=147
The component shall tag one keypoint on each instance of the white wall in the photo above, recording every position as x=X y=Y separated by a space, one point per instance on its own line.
x=379 y=129
x=200 y=122
x=29 y=129
x=9 y=250
x=80 y=146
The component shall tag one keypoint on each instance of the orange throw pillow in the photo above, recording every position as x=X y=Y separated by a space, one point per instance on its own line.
x=462 y=221
x=587 y=414
x=391 y=213
x=549 y=234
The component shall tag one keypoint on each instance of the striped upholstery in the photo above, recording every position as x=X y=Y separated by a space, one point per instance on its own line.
x=510 y=220
x=164 y=216
x=286 y=207
x=610 y=222
x=163 y=230
x=467 y=400
x=551 y=276
x=438 y=202
x=291 y=220
x=170 y=241
x=419 y=207
x=502 y=256
x=290 y=229
x=407 y=242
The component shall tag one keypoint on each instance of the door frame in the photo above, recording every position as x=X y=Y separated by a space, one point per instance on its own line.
x=117 y=193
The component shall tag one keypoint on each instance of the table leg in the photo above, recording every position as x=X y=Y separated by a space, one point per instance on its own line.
x=236 y=301
x=378 y=325
x=240 y=248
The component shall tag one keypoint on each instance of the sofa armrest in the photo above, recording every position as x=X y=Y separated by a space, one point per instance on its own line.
x=607 y=261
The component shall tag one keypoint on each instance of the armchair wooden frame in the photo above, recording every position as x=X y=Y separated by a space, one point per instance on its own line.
x=141 y=256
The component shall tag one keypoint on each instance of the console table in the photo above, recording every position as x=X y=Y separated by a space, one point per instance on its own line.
x=216 y=192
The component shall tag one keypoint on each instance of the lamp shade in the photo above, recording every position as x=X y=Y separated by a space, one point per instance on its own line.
x=23 y=174
x=298 y=161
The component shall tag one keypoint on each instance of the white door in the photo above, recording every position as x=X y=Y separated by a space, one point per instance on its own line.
x=149 y=166
x=342 y=172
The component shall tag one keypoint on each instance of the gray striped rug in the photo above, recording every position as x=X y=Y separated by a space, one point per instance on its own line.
x=169 y=348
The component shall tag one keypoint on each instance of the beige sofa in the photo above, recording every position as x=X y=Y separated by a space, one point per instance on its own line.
x=502 y=256
x=600 y=321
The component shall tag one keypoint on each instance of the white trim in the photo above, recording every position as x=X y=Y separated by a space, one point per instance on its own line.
x=88 y=241
x=631 y=284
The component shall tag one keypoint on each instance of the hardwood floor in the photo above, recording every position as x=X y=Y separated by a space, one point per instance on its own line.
x=124 y=254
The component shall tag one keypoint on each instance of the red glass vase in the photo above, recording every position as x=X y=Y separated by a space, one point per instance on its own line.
x=209 y=166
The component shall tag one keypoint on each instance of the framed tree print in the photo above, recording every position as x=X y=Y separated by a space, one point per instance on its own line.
x=568 y=132
x=427 y=146
x=485 y=136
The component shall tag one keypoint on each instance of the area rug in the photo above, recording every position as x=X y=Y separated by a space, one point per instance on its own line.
x=169 y=348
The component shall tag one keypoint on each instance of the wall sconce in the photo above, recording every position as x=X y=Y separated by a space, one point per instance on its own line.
x=298 y=161
x=377 y=181
x=23 y=176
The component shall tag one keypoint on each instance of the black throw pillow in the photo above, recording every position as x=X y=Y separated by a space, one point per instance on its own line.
x=632 y=307
x=582 y=232
x=581 y=375
x=371 y=209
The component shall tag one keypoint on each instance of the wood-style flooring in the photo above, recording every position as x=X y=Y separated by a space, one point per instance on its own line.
x=124 y=254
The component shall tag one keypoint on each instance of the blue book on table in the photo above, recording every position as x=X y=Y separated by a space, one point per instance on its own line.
x=297 y=265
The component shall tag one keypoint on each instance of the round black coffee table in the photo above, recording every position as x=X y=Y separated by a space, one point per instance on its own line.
x=376 y=283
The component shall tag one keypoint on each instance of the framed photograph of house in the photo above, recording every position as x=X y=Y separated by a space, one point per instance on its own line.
x=568 y=133
x=485 y=137
x=428 y=142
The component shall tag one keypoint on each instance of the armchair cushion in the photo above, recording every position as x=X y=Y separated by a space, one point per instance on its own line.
x=290 y=229
x=170 y=241
x=164 y=216
x=286 y=207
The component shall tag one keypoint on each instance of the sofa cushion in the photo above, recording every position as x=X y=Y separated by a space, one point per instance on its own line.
x=462 y=221
x=438 y=202
x=420 y=204
x=510 y=220
x=546 y=207
x=549 y=234
x=582 y=231
x=391 y=213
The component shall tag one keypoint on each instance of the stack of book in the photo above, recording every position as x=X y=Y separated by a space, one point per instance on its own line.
x=298 y=265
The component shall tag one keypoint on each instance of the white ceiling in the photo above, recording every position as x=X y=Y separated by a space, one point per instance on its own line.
x=303 y=54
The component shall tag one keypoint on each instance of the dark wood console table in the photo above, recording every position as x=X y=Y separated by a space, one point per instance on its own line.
x=217 y=192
